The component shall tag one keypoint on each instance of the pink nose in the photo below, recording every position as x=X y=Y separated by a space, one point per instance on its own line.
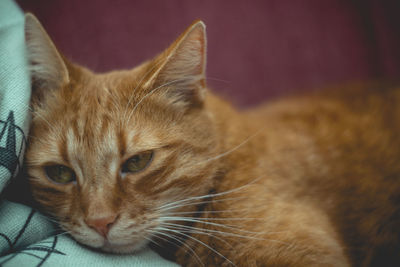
x=101 y=224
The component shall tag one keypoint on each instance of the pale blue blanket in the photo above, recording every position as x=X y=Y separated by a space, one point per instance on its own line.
x=28 y=238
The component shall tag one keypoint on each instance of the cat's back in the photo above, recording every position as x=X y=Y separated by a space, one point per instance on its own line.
x=357 y=119
x=340 y=150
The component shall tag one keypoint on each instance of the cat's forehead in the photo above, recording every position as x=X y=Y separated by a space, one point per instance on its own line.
x=96 y=142
x=101 y=116
x=99 y=100
x=108 y=124
x=104 y=91
x=98 y=127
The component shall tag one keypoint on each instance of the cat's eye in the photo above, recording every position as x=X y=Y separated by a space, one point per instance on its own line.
x=60 y=174
x=137 y=162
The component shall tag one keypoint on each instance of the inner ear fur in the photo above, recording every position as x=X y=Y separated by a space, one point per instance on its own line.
x=48 y=68
x=181 y=68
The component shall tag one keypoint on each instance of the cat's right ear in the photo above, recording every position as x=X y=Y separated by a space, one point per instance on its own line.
x=48 y=69
x=181 y=69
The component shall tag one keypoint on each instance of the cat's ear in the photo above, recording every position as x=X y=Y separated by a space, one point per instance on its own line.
x=181 y=68
x=48 y=68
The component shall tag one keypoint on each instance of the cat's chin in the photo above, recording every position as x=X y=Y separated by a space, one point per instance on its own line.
x=124 y=249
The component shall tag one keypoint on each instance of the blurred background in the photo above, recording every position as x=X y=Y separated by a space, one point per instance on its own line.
x=257 y=50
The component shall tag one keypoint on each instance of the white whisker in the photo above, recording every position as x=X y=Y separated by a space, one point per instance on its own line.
x=61 y=234
x=114 y=101
x=211 y=195
x=41 y=116
x=193 y=230
x=137 y=86
x=151 y=240
x=232 y=149
x=206 y=211
x=201 y=203
x=218 y=80
x=150 y=93
x=226 y=226
x=219 y=219
x=227 y=234
x=47 y=217
x=195 y=239
x=178 y=240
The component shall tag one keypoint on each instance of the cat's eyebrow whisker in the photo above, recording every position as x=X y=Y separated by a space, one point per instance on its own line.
x=218 y=80
x=138 y=85
x=150 y=93
x=40 y=140
x=197 y=240
x=114 y=100
x=176 y=238
x=232 y=149
x=33 y=112
x=211 y=195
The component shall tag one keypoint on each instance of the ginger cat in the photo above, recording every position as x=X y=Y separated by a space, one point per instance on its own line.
x=150 y=155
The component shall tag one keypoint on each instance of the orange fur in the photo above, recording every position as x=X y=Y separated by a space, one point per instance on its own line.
x=306 y=181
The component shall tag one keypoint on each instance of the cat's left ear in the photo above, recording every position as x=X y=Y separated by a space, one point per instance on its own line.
x=181 y=68
x=48 y=68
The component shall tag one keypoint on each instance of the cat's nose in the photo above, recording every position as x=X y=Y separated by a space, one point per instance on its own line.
x=103 y=224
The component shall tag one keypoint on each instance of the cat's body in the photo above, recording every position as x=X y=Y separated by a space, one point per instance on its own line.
x=326 y=181
x=308 y=181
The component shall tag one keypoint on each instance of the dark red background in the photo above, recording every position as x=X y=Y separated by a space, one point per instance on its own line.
x=257 y=49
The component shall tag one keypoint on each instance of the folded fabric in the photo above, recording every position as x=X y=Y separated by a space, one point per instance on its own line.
x=28 y=238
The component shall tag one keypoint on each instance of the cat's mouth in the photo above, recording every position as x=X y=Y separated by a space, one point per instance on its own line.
x=114 y=245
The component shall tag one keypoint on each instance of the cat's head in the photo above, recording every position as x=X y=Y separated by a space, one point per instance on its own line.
x=109 y=154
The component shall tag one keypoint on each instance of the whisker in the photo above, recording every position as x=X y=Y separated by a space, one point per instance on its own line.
x=192 y=230
x=39 y=115
x=151 y=240
x=218 y=80
x=205 y=211
x=174 y=237
x=40 y=140
x=49 y=218
x=206 y=230
x=61 y=234
x=137 y=86
x=232 y=149
x=226 y=226
x=114 y=100
x=195 y=239
x=201 y=203
x=150 y=93
x=220 y=219
x=211 y=195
